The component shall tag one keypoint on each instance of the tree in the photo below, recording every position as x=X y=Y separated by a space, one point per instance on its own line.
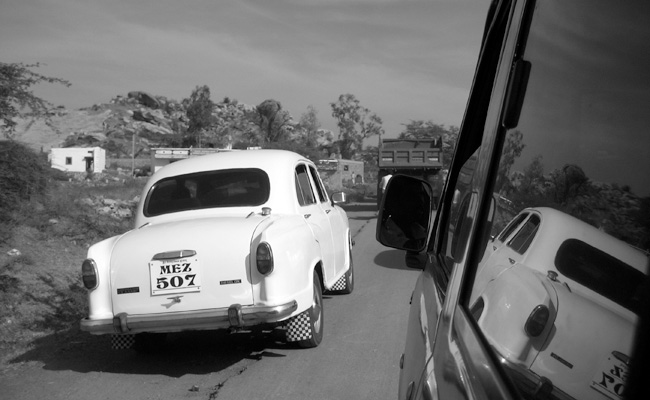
x=511 y=151
x=272 y=120
x=16 y=81
x=309 y=125
x=355 y=123
x=422 y=130
x=199 y=112
x=234 y=124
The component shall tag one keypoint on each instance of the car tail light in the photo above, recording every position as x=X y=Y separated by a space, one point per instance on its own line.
x=537 y=321
x=89 y=274
x=264 y=258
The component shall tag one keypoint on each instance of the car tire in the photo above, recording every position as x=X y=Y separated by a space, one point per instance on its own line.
x=315 y=313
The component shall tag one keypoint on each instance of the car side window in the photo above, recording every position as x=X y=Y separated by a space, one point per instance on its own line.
x=524 y=237
x=322 y=194
x=303 y=186
x=511 y=227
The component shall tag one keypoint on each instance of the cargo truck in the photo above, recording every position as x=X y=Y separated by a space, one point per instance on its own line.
x=421 y=158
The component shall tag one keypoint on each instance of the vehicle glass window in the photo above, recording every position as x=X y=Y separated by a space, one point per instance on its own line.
x=579 y=155
x=601 y=273
x=322 y=195
x=511 y=227
x=212 y=189
x=461 y=216
x=522 y=239
x=303 y=187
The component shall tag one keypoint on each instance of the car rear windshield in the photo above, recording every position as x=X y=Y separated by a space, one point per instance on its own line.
x=602 y=273
x=212 y=189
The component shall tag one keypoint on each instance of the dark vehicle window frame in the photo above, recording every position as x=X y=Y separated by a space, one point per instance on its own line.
x=507 y=231
x=482 y=134
x=524 y=237
x=322 y=193
x=304 y=191
x=200 y=199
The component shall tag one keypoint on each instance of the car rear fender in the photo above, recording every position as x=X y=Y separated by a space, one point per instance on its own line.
x=588 y=330
x=504 y=307
x=99 y=299
x=296 y=253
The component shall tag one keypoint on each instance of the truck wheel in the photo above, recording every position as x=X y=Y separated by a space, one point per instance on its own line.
x=306 y=328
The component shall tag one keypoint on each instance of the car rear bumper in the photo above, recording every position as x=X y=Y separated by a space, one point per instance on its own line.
x=234 y=316
x=532 y=385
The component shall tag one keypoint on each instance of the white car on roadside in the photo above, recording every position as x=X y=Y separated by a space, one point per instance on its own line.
x=558 y=299
x=235 y=239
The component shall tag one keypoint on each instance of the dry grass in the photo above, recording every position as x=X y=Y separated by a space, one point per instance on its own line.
x=40 y=289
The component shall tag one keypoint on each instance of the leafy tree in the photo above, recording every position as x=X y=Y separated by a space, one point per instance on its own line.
x=355 y=123
x=309 y=125
x=511 y=151
x=16 y=81
x=233 y=123
x=422 y=130
x=199 y=112
x=272 y=120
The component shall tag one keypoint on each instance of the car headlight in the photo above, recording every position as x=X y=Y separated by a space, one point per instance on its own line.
x=264 y=258
x=89 y=274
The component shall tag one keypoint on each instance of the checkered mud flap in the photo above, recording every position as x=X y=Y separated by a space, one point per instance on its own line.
x=121 y=342
x=339 y=285
x=299 y=328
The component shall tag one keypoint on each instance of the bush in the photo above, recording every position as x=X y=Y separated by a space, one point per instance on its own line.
x=23 y=176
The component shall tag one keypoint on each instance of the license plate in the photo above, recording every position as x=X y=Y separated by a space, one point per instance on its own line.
x=610 y=379
x=180 y=275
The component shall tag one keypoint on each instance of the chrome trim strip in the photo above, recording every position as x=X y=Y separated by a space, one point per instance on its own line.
x=170 y=255
x=190 y=320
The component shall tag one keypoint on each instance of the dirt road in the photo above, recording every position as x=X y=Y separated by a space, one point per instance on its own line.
x=358 y=358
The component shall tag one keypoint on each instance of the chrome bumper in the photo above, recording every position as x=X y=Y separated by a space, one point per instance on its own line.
x=532 y=385
x=234 y=316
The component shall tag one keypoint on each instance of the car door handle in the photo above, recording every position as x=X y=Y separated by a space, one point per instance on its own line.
x=328 y=211
x=307 y=216
x=511 y=260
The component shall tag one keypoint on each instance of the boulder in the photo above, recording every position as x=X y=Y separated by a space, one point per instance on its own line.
x=145 y=99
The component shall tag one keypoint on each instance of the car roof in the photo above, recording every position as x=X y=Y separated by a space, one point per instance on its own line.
x=267 y=160
x=278 y=165
x=557 y=226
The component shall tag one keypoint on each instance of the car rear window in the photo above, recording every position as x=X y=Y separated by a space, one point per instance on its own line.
x=212 y=189
x=602 y=273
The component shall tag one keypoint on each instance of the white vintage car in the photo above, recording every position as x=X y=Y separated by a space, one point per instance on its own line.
x=229 y=240
x=558 y=299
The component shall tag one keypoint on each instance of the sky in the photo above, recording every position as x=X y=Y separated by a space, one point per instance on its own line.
x=405 y=60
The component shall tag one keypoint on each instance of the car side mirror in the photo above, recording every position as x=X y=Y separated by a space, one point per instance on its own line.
x=405 y=214
x=339 y=198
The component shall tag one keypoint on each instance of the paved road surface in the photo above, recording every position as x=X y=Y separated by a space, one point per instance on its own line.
x=358 y=358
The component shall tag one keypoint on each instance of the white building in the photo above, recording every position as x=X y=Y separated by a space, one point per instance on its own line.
x=78 y=159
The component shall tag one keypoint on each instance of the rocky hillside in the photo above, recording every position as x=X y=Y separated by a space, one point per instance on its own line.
x=112 y=125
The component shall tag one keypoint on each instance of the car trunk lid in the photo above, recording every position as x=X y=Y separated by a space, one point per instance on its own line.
x=183 y=265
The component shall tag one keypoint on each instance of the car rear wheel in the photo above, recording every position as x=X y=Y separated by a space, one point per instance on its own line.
x=306 y=328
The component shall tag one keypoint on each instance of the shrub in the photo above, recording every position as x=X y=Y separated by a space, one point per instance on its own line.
x=23 y=175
